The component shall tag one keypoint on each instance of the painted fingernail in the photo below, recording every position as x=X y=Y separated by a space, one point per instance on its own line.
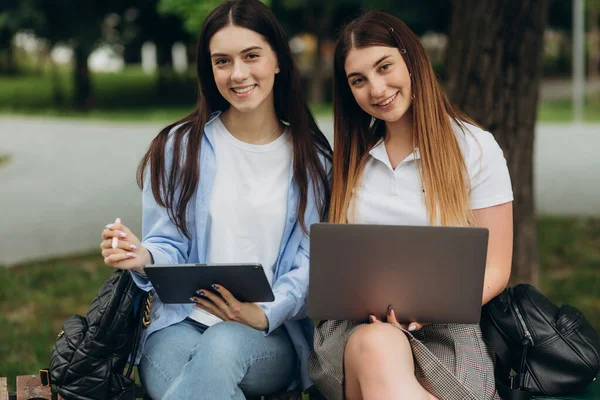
x=390 y=309
x=200 y=292
x=115 y=242
x=372 y=319
x=131 y=255
x=133 y=247
x=193 y=300
x=214 y=286
x=122 y=234
x=412 y=327
x=109 y=226
x=118 y=220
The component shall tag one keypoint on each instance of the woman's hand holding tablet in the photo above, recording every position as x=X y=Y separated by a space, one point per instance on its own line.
x=225 y=306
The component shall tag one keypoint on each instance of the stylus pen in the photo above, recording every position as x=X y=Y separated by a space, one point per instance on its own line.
x=115 y=240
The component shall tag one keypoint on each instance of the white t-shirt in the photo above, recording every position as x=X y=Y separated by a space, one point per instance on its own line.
x=394 y=196
x=248 y=203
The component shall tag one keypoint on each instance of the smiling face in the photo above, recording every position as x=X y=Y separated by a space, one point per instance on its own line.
x=244 y=66
x=380 y=81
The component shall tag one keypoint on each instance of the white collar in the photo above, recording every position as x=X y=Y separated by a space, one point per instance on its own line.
x=379 y=153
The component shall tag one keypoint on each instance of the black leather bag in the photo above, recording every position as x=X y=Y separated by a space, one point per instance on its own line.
x=551 y=351
x=90 y=357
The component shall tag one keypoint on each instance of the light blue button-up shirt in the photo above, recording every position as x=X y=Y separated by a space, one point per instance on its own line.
x=169 y=246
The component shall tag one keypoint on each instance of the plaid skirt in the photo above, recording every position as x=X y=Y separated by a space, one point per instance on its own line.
x=451 y=361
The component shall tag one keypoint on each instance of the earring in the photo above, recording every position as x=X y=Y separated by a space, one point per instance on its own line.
x=403 y=51
x=412 y=96
x=277 y=70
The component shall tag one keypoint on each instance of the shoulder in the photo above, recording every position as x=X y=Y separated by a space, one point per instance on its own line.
x=477 y=145
x=181 y=132
x=486 y=166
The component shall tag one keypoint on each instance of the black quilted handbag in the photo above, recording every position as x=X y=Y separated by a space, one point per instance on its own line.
x=89 y=360
x=541 y=349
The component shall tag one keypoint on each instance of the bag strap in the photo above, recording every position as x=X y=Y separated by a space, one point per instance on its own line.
x=144 y=308
x=491 y=334
x=507 y=386
x=507 y=393
x=45 y=380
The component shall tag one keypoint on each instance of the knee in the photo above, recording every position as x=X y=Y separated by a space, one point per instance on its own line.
x=222 y=344
x=377 y=340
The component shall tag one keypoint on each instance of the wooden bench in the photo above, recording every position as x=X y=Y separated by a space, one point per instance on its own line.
x=28 y=386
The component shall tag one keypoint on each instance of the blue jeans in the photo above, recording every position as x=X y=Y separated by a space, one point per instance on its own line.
x=225 y=361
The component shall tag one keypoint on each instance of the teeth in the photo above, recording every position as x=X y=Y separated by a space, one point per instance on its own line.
x=245 y=90
x=388 y=101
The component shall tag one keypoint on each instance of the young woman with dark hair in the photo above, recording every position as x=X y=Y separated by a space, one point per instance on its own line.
x=240 y=179
x=404 y=155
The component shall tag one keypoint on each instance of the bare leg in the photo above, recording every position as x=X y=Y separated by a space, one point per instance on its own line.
x=378 y=364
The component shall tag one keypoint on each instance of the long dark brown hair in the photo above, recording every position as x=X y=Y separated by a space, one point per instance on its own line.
x=443 y=172
x=174 y=189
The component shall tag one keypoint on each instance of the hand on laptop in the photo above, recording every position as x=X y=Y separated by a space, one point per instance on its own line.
x=391 y=319
x=228 y=308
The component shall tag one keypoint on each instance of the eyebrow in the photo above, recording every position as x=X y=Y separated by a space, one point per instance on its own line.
x=241 y=52
x=350 y=75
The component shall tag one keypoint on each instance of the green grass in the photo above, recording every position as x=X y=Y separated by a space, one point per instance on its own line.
x=131 y=95
x=127 y=95
x=4 y=158
x=35 y=298
x=562 y=111
x=570 y=260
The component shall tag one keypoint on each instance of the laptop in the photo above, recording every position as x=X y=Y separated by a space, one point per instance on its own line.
x=427 y=274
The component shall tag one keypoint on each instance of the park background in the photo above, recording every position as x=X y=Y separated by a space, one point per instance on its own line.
x=85 y=87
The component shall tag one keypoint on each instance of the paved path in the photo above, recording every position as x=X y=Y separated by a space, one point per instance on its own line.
x=67 y=179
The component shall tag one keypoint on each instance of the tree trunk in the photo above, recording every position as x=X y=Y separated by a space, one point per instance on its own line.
x=57 y=92
x=594 y=42
x=320 y=19
x=493 y=68
x=83 y=98
x=7 y=60
x=316 y=94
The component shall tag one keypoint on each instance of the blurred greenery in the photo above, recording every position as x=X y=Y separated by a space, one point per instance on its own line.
x=562 y=110
x=131 y=95
x=36 y=297
x=4 y=158
x=193 y=12
x=569 y=251
x=129 y=89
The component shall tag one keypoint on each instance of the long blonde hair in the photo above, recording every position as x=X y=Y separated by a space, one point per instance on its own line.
x=443 y=172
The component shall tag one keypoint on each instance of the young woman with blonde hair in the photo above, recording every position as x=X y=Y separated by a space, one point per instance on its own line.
x=404 y=155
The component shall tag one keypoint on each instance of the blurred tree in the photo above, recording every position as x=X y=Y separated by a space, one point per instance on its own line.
x=143 y=22
x=322 y=19
x=593 y=12
x=193 y=12
x=81 y=28
x=15 y=15
x=493 y=69
x=325 y=18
